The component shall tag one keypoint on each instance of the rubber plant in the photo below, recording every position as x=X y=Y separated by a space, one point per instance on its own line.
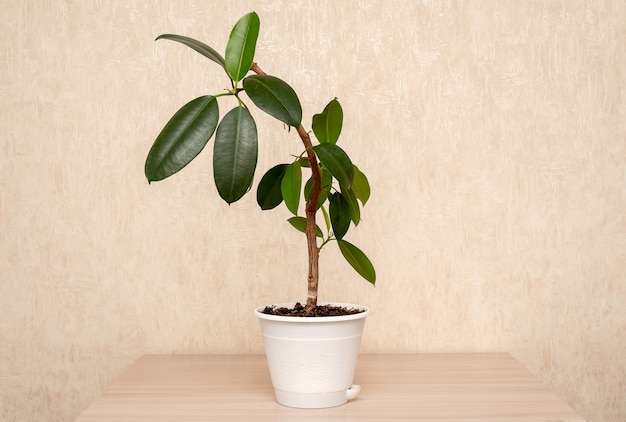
x=336 y=186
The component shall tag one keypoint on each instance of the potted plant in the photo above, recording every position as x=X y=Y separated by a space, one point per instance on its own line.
x=336 y=187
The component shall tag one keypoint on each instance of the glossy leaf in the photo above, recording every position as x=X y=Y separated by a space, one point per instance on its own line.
x=241 y=46
x=360 y=186
x=300 y=224
x=235 y=154
x=337 y=162
x=291 y=186
x=340 y=215
x=327 y=124
x=358 y=260
x=182 y=138
x=199 y=46
x=275 y=97
x=268 y=193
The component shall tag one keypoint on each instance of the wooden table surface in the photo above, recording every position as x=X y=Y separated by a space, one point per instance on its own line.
x=395 y=387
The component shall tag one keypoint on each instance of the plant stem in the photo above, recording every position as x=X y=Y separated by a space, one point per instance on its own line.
x=311 y=210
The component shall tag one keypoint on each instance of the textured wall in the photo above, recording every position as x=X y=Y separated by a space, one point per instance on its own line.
x=493 y=133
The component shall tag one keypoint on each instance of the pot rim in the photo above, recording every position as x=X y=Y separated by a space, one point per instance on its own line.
x=360 y=315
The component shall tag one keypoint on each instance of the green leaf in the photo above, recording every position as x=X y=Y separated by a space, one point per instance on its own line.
x=182 y=138
x=199 y=46
x=355 y=210
x=337 y=162
x=268 y=193
x=340 y=215
x=327 y=124
x=241 y=46
x=235 y=154
x=300 y=224
x=304 y=162
x=327 y=180
x=275 y=97
x=360 y=186
x=358 y=260
x=291 y=185
x=326 y=218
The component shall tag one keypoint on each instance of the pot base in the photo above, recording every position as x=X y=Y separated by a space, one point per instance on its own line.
x=316 y=401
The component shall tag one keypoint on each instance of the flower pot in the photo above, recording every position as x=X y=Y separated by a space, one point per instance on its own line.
x=312 y=359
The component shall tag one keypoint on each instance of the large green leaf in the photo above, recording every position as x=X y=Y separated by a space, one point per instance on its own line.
x=199 y=46
x=235 y=154
x=360 y=186
x=291 y=185
x=268 y=194
x=300 y=224
x=327 y=124
x=340 y=215
x=275 y=97
x=241 y=46
x=358 y=260
x=182 y=138
x=337 y=162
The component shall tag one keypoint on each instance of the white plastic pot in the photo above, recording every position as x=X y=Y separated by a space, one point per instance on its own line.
x=312 y=359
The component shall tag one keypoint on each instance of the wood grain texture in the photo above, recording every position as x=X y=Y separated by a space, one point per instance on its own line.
x=417 y=387
x=493 y=134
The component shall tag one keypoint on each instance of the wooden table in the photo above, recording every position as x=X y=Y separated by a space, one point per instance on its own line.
x=396 y=387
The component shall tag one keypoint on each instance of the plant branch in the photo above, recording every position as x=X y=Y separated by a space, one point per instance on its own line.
x=311 y=210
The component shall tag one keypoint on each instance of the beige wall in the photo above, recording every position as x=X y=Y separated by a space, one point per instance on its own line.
x=493 y=133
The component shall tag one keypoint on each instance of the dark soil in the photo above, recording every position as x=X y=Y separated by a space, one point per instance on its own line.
x=318 y=311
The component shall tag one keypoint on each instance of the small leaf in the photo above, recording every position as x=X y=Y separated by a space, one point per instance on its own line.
x=327 y=124
x=300 y=224
x=268 y=193
x=326 y=218
x=337 y=162
x=340 y=215
x=291 y=185
x=182 y=138
x=327 y=180
x=358 y=260
x=355 y=210
x=275 y=97
x=241 y=46
x=235 y=154
x=360 y=186
x=199 y=46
